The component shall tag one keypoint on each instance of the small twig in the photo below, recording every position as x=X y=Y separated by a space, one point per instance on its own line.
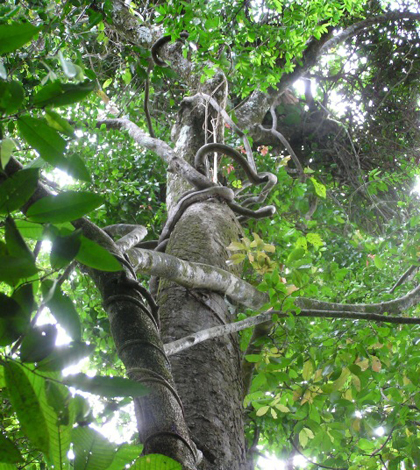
x=385 y=443
x=404 y=277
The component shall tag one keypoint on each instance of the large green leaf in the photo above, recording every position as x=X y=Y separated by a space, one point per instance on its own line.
x=24 y=296
x=17 y=189
x=65 y=356
x=62 y=94
x=95 y=256
x=19 y=262
x=38 y=343
x=63 y=309
x=30 y=230
x=13 y=269
x=64 y=249
x=43 y=138
x=6 y=148
x=92 y=451
x=109 y=387
x=11 y=96
x=13 y=36
x=59 y=424
x=15 y=244
x=125 y=455
x=58 y=123
x=64 y=207
x=13 y=320
x=26 y=404
x=155 y=462
x=8 y=451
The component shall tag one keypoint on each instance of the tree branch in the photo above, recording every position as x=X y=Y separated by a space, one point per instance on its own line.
x=197 y=276
x=193 y=339
x=162 y=149
x=356 y=28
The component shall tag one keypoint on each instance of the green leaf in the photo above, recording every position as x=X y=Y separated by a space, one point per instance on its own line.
x=24 y=296
x=15 y=244
x=109 y=387
x=95 y=256
x=296 y=254
x=13 y=36
x=13 y=269
x=27 y=407
x=253 y=358
x=339 y=383
x=43 y=138
x=6 y=149
x=8 y=452
x=17 y=189
x=38 y=343
x=62 y=94
x=379 y=263
x=30 y=230
x=155 y=462
x=65 y=356
x=92 y=451
x=64 y=207
x=64 y=249
x=58 y=123
x=315 y=239
x=11 y=96
x=75 y=167
x=308 y=369
x=13 y=320
x=125 y=455
x=320 y=189
x=64 y=311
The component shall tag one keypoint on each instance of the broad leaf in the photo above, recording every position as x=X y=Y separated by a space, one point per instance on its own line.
x=125 y=455
x=13 y=36
x=65 y=356
x=38 y=343
x=64 y=249
x=92 y=451
x=62 y=94
x=13 y=269
x=27 y=406
x=11 y=97
x=13 y=320
x=58 y=123
x=15 y=244
x=63 y=309
x=109 y=387
x=64 y=207
x=95 y=256
x=6 y=148
x=17 y=189
x=8 y=451
x=43 y=138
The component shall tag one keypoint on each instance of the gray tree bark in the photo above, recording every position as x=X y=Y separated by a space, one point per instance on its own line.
x=208 y=376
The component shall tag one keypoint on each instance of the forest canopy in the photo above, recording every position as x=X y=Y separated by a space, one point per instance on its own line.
x=209 y=209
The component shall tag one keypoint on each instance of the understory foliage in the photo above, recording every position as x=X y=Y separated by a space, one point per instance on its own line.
x=342 y=393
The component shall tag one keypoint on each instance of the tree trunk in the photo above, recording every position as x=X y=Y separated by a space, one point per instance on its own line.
x=207 y=376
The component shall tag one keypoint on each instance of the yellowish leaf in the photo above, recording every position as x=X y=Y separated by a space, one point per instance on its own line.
x=262 y=411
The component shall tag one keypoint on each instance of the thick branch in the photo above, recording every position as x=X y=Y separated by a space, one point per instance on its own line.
x=162 y=149
x=200 y=336
x=197 y=276
x=395 y=306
